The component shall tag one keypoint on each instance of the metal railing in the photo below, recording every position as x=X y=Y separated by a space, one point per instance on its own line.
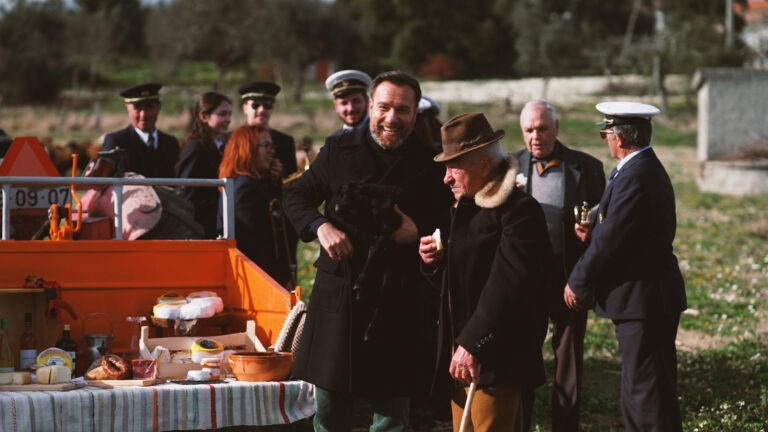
x=117 y=184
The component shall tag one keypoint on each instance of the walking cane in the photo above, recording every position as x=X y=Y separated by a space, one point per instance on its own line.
x=468 y=405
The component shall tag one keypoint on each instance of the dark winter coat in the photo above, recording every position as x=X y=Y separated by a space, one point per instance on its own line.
x=253 y=228
x=495 y=269
x=201 y=161
x=285 y=151
x=332 y=353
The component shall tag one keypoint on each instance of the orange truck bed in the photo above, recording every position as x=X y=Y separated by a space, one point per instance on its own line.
x=124 y=278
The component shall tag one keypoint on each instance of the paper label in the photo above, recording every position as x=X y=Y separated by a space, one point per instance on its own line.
x=27 y=358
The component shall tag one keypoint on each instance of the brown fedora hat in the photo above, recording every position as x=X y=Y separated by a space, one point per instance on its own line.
x=464 y=133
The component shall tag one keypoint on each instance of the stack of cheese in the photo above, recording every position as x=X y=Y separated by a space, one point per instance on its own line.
x=200 y=304
x=54 y=366
x=56 y=374
x=15 y=378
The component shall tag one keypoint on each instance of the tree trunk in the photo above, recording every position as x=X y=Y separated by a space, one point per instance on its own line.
x=298 y=86
x=658 y=78
x=220 y=71
x=630 y=29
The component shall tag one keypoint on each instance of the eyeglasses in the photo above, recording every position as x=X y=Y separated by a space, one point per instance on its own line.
x=266 y=104
x=604 y=133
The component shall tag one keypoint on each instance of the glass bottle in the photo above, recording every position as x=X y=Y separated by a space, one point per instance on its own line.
x=70 y=346
x=27 y=344
x=135 y=329
x=6 y=355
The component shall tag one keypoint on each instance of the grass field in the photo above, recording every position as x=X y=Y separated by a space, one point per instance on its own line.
x=721 y=243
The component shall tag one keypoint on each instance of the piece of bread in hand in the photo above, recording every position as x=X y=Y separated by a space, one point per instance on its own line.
x=438 y=239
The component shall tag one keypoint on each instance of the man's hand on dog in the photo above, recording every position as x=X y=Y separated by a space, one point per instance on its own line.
x=335 y=242
x=407 y=231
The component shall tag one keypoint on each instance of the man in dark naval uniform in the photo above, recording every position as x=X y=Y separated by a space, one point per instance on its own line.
x=350 y=97
x=559 y=178
x=364 y=342
x=629 y=273
x=148 y=151
x=258 y=103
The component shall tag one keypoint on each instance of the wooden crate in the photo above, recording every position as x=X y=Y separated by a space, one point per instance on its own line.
x=180 y=343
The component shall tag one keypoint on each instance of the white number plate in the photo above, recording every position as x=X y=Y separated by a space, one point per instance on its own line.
x=38 y=197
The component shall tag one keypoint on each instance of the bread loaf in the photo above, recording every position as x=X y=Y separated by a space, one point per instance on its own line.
x=53 y=375
x=15 y=378
x=97 y=373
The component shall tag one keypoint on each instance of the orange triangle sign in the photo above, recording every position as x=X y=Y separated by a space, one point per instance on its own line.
x=27 y=158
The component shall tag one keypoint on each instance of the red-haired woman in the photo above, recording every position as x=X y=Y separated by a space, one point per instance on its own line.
x=247 y=157
x=202 y=155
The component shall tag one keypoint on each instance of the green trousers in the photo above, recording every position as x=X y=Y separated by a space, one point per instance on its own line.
x=333 y=412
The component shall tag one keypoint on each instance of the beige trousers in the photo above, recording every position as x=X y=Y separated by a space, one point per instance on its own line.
x=494 y=408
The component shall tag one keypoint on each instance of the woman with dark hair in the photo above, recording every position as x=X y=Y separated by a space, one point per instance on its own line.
x=202 y=155
x=247 y=158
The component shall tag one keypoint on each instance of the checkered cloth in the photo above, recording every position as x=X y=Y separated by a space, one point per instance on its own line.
x=158 y=408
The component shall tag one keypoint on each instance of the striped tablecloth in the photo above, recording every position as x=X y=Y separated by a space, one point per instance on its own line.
x=157 y=408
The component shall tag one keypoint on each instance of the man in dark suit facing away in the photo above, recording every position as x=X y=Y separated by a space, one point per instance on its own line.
x=629 y=273
x=148 y=151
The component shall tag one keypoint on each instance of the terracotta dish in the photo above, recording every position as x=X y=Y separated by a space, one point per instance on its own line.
x=261 y=366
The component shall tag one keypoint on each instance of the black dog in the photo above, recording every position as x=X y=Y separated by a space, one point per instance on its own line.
x=367 y=211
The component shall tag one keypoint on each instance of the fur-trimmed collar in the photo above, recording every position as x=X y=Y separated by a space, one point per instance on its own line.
x=496 y=191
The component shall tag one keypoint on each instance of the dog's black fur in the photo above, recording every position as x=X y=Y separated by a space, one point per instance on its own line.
x=366 y=211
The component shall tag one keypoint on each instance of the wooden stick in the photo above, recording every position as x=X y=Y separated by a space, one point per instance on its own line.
x=467 y=406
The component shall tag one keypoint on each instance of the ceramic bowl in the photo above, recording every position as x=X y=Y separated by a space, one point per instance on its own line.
x=261 y=366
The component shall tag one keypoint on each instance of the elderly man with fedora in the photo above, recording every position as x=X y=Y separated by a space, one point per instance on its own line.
x=629 y=273
x=560 y=178
x=350 y=97
x=148 y=151
x=493 y=272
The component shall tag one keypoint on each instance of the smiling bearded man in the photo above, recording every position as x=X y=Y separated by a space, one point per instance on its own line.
x=337 y=353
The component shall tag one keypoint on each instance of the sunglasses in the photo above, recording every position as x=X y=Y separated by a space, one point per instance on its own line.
x=266 y=104
x=604 y=133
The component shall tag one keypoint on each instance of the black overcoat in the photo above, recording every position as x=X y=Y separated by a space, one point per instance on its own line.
x=253 y=228
x=201 y=161
x=495 y=282
x=141 y=159
x=332 y=353
x=285 y=151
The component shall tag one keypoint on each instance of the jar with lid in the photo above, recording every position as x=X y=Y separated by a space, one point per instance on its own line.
x=212 y=365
